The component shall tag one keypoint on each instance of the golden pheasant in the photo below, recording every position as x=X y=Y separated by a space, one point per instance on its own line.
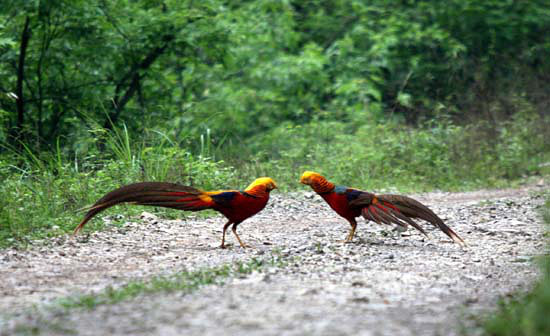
x=387 y=209
x=235 y=205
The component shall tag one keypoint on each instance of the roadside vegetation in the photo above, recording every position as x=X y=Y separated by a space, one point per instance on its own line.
x=42 y=192
x=183 y=281
x=526 y=313
x=384 y=95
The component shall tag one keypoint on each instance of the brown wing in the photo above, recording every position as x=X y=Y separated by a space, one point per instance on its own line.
x=399 y=210
x=372 y=209
x=411 y=208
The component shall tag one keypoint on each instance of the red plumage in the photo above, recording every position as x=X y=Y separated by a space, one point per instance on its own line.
x=236 y=205
x=382 y=209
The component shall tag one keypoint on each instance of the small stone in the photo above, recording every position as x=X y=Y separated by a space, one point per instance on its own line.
x=358 y=283
x=360 y=299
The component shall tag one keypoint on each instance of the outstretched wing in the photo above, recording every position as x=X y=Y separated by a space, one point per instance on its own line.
x=399 y=210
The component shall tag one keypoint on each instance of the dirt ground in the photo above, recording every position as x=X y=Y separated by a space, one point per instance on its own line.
x=384 y=283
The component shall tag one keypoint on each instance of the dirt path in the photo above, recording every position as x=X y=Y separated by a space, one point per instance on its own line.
x=382 y=284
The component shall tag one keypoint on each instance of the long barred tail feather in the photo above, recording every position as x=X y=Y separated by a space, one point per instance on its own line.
x=162 y=194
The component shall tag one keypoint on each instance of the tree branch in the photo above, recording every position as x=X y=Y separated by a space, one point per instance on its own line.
x=134 y=73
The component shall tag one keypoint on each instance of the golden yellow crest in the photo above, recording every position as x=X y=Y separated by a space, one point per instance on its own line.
x=308 y=177
x=266 y=182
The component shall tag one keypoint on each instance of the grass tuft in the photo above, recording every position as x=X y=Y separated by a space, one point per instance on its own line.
x=41 y=193
x=182 y=282
x=185 y=281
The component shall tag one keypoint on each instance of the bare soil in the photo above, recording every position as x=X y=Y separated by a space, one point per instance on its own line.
x=384 y=283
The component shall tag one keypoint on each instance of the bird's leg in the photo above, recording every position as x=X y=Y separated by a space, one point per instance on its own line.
x=234 y=229
x=223 y=236
x=349 y=238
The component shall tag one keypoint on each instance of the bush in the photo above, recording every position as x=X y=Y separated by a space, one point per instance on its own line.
x=440 y=155
x=40 y=194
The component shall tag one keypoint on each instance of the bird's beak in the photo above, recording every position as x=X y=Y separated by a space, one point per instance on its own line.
x=304 y=181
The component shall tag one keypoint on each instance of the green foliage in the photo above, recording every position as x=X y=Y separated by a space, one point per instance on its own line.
x=439 y=155
x=244 y=67
x=41 y=193
x=527 y=314
x=99 y=58
x=379 y=94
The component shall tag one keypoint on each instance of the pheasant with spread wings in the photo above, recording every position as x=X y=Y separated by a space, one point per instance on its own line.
x=382 y=209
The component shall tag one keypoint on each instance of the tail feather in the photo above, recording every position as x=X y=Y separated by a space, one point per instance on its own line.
x=410 y=208
x=168 y=195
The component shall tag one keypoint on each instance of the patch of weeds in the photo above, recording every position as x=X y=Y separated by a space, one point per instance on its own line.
x=27 y=330
x=41 y=193
x=40 y=319
x=485 y=203
x=525 y=314
x=278 y=250
x=185 y=281
x=37 y=329
x=319 y=248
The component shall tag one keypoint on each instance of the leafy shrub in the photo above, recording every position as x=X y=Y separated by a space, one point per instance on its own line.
x=387 y=154
x=40 y=194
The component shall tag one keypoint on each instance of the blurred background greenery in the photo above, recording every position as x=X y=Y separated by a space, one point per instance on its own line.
x=386 y=94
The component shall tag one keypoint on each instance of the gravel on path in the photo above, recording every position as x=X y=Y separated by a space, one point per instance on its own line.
x=383 y=283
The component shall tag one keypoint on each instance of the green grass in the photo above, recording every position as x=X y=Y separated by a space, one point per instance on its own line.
x=41 y=192
x=181 y=282
x=184 y=281
x=389 y=155
x=526 y=314
x=40 y=203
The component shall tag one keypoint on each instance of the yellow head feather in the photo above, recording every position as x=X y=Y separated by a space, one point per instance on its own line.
x=317 y=182
x=267 y=182
x=308 y=177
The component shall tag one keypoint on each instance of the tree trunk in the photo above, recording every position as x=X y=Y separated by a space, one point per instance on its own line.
x=25 y=36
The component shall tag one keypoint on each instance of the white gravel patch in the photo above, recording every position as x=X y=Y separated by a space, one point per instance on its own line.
x=384 y=283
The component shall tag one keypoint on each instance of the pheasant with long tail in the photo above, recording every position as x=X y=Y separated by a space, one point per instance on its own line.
x=382 y=209
x=235 y=205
